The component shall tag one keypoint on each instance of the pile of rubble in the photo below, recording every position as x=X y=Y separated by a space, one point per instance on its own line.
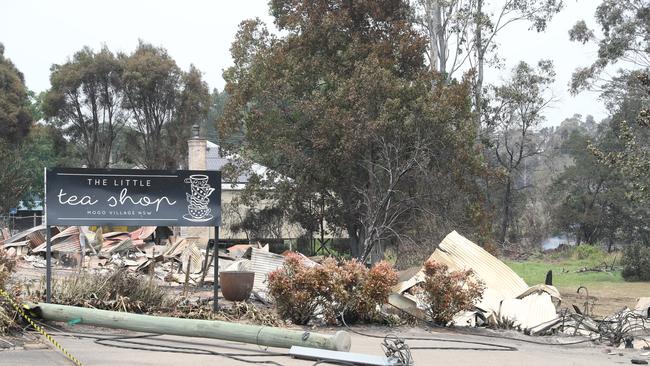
x=507 y=302
x=627 y=328
x=176 y=261
x=507 y=298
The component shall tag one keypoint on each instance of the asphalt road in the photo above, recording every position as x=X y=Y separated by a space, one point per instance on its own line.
x=196 y=351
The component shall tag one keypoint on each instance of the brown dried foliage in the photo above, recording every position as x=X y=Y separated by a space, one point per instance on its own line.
x=304 y=293
x=119 y=290
x=7 y=313
x=449 y=292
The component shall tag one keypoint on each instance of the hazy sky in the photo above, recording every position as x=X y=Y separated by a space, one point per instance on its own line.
x=37 y=34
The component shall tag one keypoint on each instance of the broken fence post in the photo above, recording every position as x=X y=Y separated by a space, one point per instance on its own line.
x=254 y=334
x=187 y=274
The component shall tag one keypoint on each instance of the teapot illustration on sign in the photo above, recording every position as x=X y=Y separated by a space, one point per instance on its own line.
x=198 y=201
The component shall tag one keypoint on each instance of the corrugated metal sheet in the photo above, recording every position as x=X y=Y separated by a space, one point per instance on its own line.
x=36 y=238
x=176 y=248
x=66 y=241
x=69 y=231
x=458 y=253
x=17 y=244
x=529 y=312
x=114 y=233
x=195 y=258
x=70 y=245
x=263 y=263
x=117 y=246
x=142 y=232
x=23 y=234
x=238 y=250
x=238 y=265
x=506 y=295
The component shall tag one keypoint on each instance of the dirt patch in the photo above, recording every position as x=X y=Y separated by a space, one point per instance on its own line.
x=608 y=297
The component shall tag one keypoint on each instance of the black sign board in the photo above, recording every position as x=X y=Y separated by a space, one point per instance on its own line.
x=133 y=197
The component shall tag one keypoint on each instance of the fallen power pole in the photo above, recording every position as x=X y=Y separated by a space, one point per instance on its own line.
x=260 y=335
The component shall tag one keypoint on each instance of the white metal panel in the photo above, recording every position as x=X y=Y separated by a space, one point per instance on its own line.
x=263 y=263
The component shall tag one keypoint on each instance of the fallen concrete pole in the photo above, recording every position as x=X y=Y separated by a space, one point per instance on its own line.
x=261 y=335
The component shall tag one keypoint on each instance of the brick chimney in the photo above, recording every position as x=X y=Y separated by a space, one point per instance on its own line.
x=196 y=160
x=197 y=150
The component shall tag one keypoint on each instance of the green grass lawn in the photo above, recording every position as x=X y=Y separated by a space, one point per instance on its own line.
x=564 y=273
x=609 y=290
x=565 y=266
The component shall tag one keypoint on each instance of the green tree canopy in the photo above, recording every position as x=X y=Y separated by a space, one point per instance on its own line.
x=15 y=122
x=591 y=197
x=85 y=100
x=15 y=116
x=624 y=40
x=164 y=102
x=516 y=109
x=322 y=105
x=625 y=37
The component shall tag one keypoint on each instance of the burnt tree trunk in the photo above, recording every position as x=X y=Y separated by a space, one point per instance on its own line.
x=507 y=202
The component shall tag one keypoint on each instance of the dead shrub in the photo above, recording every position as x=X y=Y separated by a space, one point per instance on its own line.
x=448 y=292
x=7 y=265
x=304 y=293
x=7 y=312
x=239 y=312
x=119 y=290
x=365 y=290
x=299 y=291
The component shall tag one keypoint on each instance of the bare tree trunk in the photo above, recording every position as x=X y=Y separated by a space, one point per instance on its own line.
x=610 y=244
x=507 y=202
x=355 y=242
x=478 y=92
x=441 y=42
x=431 y=8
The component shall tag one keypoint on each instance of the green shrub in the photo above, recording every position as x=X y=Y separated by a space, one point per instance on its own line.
x=590 y=253
x=304 y=293
x=636 y=263
x=448 y=292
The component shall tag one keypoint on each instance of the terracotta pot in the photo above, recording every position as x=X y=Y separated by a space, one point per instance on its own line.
x=236 y=285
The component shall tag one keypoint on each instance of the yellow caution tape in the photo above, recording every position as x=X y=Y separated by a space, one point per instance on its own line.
x=22 y=312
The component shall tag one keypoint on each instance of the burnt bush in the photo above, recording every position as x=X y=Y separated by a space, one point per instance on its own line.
x=448 y=292
x=7 y=313
x=303 y=293
x=119 y=290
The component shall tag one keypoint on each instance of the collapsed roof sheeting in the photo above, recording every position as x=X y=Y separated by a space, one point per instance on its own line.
x=458 y=253
x=36 y=238
x=528 y=312
x=192 y=255
x=23 y=234
x=66 y=241
x=643 y=306
x=263 y=263
x=142 y=232
x=506 y=295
